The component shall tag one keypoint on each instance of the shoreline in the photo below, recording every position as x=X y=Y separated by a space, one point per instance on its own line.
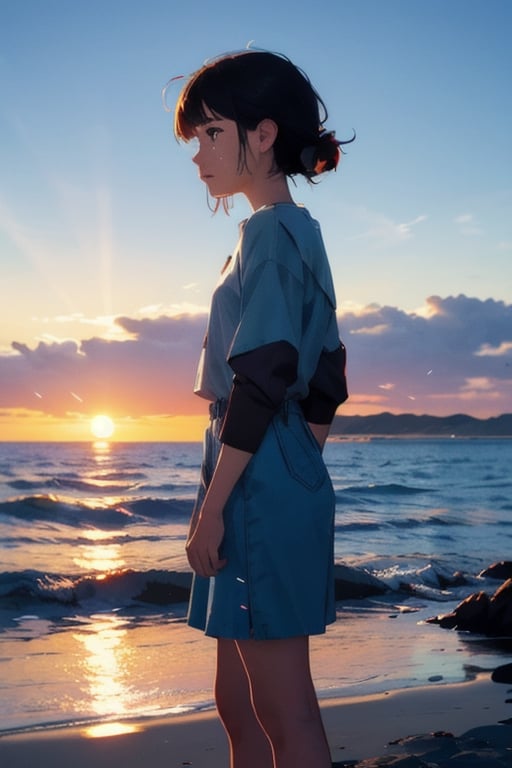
x=141 y=674
x=358 y=728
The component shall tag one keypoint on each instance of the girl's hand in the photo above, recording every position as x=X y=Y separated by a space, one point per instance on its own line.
x=207 y=531
x=203 y=544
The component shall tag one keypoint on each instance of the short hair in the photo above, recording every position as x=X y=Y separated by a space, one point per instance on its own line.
x=252 y=86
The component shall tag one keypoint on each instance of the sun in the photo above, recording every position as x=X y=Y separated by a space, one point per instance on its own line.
x=102 y=427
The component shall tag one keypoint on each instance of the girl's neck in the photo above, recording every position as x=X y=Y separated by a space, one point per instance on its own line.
x=269 y=191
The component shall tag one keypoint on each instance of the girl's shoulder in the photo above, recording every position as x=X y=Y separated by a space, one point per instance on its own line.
x=274 y=233
x=287 y=214
x=280 y=226
x=288 y=235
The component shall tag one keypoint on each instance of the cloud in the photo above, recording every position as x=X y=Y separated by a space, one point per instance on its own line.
x=468 y=225
x=109 y=326
x=453 y=355
x=383 y=230
x=151 y=372
x=439 y=356
x=487 y=350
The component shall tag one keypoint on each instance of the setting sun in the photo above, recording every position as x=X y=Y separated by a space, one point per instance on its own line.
x=102 y=427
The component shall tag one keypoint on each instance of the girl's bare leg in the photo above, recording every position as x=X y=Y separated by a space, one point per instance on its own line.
x=249 y=746
x=284 y=699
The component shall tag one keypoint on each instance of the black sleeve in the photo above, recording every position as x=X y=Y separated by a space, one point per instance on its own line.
x=261 y=379
x=327 y=388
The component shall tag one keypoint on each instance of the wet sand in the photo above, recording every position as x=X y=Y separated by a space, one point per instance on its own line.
x=383 y=727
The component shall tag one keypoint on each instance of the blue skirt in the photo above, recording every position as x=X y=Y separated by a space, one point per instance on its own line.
x=279 y=540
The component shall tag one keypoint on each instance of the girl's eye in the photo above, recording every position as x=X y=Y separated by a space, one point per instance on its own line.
x=213 y=132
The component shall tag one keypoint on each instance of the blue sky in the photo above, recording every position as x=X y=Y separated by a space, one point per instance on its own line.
x=102 y=215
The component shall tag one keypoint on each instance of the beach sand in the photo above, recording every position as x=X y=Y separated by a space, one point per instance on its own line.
x=357 y=728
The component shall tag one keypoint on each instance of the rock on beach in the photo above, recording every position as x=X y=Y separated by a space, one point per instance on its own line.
x=491 y=616
x=483 y=747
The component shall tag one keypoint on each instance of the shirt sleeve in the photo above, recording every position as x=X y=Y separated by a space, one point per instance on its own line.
x=261 y=379
x=327 y=388
x=264 y=351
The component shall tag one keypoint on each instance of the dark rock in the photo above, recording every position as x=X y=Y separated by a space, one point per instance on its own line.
x=344 y=764
x=483 y=747
x=166 y=588
x=356 y=583
x=500 y=608
x=496 y=736
x=480 y=613
x=428 y=744
x=501 y=570
x=160 y=593
x=502 y=674
x=456 y=580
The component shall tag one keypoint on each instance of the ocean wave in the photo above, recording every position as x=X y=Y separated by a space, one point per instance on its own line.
x=405 y=523
x=124 y=474
x=90 y=486
x=51 y=508
x=76 y=539
x=159 y=487
x=413 y=522
x=129 y=592
x=385 y=489
x=354 y=526
x=431 y=581
x=124 y=590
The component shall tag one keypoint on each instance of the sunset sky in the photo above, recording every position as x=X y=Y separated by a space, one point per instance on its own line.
x=108 y=252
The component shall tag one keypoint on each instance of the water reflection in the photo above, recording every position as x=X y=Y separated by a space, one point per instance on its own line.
x=107 y=654
x=101 y=451
x=97 y=556
x=110 y=729
x=106 y=662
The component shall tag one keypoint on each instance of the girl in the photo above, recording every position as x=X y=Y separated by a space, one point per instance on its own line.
x=272 y=367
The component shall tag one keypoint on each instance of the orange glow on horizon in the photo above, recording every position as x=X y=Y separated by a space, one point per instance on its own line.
x=23 y=425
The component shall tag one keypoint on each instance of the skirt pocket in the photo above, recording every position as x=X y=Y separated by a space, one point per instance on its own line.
x=299 y=448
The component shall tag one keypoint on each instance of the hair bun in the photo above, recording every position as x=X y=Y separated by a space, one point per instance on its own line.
x=324 y=155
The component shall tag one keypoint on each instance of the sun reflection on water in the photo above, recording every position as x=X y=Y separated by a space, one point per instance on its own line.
x=110 y=729
x=99 y=557
x=106 y=653
x=101 y=450
x=106 y=662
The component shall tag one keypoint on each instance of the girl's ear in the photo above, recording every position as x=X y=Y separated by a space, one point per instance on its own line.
x=267 y=134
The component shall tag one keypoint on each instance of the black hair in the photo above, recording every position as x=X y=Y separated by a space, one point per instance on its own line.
x=252 y=86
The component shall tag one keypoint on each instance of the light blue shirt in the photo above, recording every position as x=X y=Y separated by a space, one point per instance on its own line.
x=277 y=287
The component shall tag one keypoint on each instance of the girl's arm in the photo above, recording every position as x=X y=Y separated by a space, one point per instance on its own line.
x=206 y=537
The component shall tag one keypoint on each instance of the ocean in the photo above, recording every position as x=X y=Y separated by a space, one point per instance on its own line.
x=91 y=532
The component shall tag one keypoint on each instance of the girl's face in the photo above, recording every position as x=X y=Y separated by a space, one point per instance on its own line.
x=218 y=157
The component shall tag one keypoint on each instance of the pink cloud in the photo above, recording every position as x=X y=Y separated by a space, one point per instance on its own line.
x=435 y=359
x=433 y=363
x=151 y=373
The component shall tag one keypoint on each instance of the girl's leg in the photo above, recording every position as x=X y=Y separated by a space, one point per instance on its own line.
x=249 y=746
x=284 y=699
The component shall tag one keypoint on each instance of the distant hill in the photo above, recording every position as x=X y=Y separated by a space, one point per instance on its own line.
x=405 y=424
